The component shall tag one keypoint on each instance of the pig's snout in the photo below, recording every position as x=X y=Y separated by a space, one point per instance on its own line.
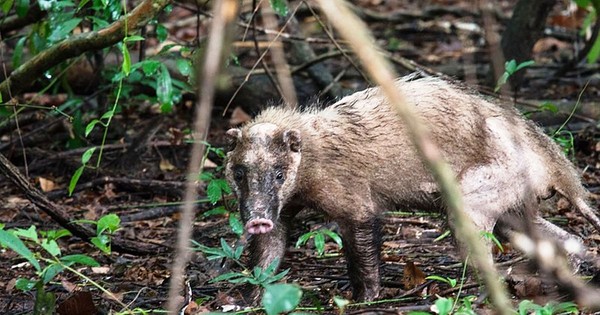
x=259 y=226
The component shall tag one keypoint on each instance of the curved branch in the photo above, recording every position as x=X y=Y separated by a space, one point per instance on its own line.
x=24 y=76
x=15 y=22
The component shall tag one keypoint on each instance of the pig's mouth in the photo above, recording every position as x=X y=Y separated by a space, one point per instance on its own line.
x=259 y=226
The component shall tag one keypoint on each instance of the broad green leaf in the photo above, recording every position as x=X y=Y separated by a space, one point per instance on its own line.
x=164 y=89
x=184 y=66
x=320 y=243
x=549 y=106
x=278 y=276
x=90 y=126
x=82 y=3
x=238 y=252
x=87 y=155
x=51 y=271
x=56 y=234
x=150 y=66
x=108 y=114
x=51 y=247
x=126 y=67
x=102 y=242
x=444 y=306
x=25 y=284
x=582 y=3
x=280 y=7
x=30 y=233
x=161 y=32
x=18 y=52
x=6 y=5
x=340 y=302
x=592 y=56
x=224 y=185
x=304 y=238
x=213 y=191
x=109 y=222
x=207 y=176
x=236 y=225
x=75 y=179
x=228 y=276
x=501 y=81
x=220 y=210
x=336 y=238
x=21 y=7
x=226 y=248
x=7 y=239
x=63 y=29
x=80 y=259
x=510 y=66
x=281 y=298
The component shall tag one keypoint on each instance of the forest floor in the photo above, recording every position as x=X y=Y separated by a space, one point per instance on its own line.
x=144 y=187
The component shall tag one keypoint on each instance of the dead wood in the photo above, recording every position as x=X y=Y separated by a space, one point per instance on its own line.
x=15 y=22
x=60 y=214
x=24 y=76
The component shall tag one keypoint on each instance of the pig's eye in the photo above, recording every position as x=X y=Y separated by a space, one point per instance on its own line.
x=279 y=175
x=238 y=174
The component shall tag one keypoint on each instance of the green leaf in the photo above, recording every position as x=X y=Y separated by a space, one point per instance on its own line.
x=51 y=247
x=340 y=302
x=444 y=306
x=549 y=106
x=30 y=233
x=510 y=66
x=51 y=271
x=9 y=240
x=109 y=222
x=280 y=7
x=87 y=155
x=304 y=238
x=18 y=52
x=56 y=234
x=281 y=298
x=236 y=225
x=6 y=5
x=213 y=191
x=90 y=126
x=335 y=237
x=238 y=252
x=524 y=64
x=228 y=277
x=21 y=7
x=63 y=29
x=592 y=56
x=161 y=32
x=102 y=242
x=220 y=210
x=501 y=81
x=150 y=66
x=133 y=38
x=438 y=278
x=75 y=179
x=25 y=284
x=164 y=89
x=126 y=67
x=108 y=114
x=226 y=248
x=320 y=243
x=80 y=259
x=82 y=3
x=184 y=66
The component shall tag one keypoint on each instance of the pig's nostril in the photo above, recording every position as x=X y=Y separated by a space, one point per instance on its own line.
x=259 y=226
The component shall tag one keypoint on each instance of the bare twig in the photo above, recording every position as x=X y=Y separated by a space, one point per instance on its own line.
x=225 y=15
x=356 y=33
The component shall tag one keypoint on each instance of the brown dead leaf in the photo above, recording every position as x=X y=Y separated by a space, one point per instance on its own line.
x=68 y=285
x=166 y=166
x=114 y=295
x=101 y=270
x=46 y=185
x=549 y=43
x=413 y=276
x=209 y=164
x=238 y=116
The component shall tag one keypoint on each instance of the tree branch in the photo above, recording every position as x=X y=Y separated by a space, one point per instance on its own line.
x=24 y=76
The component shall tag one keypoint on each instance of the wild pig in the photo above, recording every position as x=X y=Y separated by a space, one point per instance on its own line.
x=354 y=160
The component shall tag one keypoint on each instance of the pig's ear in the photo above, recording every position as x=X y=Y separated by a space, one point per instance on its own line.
x=293 y=139
x=234 y=135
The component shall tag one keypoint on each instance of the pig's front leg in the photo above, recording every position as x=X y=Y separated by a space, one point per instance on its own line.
x=361 y=247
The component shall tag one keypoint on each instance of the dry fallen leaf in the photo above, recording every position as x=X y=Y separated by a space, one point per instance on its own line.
x=46 y=184
x=79 y=303
x=413 y=276
x=166 y=166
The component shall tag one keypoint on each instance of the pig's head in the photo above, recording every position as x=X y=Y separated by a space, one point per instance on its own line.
x=262 y=168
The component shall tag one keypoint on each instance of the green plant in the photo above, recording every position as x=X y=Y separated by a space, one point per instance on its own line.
x=510 y=67
x=319 y=238
x=489 y=236
x=529 y=307
x=447 y=280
